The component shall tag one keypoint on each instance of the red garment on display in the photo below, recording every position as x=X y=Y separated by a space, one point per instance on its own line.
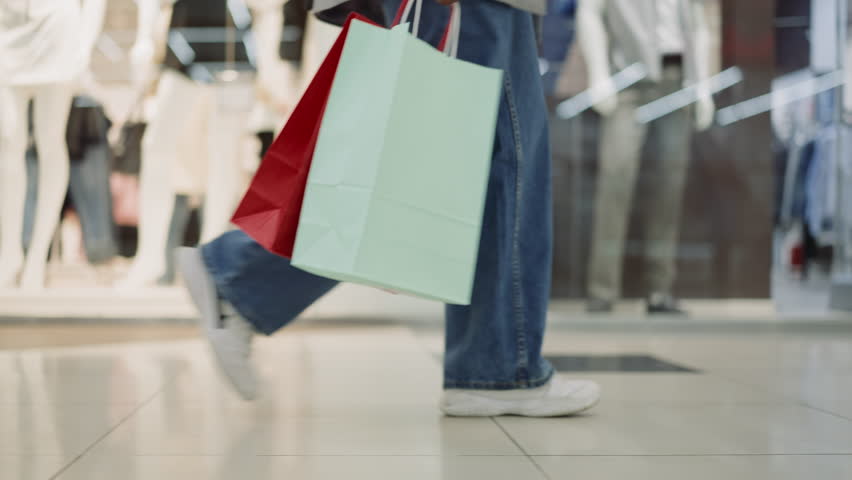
x=270 y=210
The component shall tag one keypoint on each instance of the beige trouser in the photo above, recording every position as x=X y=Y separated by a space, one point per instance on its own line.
x=622 y=141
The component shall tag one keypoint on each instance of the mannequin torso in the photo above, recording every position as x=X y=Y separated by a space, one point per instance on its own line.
x=669 y=34
x=39 y=41
x=599 y=39
x=44 y=47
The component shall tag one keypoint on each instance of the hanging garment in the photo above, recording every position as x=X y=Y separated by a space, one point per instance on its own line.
x=40 y=42
x=293 y=34
x=821 y=187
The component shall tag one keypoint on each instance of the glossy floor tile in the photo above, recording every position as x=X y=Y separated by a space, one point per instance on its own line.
x=56 y=430
x=742 y=467
x=30 y=467
x=97 y=467
x=359 y=400
x=698 y=429
x=827 y=390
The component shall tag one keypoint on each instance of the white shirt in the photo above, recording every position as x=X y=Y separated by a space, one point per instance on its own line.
x=40 y=42
x=669 y=31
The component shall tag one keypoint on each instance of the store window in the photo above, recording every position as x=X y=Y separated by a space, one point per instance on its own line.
x=661 y=192
x=701 y=148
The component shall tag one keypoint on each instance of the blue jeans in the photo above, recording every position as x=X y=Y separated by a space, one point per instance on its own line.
x=494 y=343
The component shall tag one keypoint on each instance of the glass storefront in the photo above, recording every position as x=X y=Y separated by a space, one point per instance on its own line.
x=701 y=149
x=760 y=211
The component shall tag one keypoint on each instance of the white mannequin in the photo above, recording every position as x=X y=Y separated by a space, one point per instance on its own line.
x=670 y=39
x=275 y=77
x=176 y=106
x=183 y=103
x=594 y=42
x=274 y=95
x=69 y=33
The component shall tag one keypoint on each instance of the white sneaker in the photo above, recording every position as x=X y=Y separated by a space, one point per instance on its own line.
x=558 y=398
x=229 y=334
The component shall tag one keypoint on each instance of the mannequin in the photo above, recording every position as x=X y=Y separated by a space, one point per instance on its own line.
x=45 y=46
x=183 y=119
x=671 y=39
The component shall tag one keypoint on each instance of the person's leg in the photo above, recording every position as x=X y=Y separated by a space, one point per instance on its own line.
x=620 y=148
x=89 y=189
x=263 y=287
x=240 y=289
x=495 y=343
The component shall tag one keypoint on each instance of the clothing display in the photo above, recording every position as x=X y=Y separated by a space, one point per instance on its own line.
x=39 y=42
x=622 y=140
x=634 y=24
x=190 y=43
x=808 y=191
x=89 y=187
x=821 y=187
x=127 y=155
x=293 y=33
x=538 y=7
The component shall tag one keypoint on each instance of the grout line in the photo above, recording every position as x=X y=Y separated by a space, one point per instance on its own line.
x=109 y=432
x=827 y=412
x=527 y=455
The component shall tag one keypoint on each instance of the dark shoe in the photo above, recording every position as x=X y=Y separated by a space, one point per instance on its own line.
x=664 y=304
x=596 y=305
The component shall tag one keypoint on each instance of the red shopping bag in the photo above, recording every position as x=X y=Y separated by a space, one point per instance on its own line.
x=269 y=211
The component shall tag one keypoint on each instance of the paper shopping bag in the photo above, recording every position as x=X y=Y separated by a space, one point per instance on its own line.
x=397 y=187
x=269 y=211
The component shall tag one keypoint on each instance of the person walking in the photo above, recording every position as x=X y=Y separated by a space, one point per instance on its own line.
x=493 y=362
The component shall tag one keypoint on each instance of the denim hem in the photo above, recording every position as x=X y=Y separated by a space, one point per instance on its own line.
x=496 y=385
x=225 y=293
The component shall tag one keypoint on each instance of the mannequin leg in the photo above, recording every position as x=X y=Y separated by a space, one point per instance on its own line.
x=672 y=139
x=13 y=182
x=50 y=120
x=620 y=148
x=156 y=186
x=224 y=179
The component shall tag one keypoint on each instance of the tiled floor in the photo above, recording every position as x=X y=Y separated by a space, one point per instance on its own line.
x=359 y=401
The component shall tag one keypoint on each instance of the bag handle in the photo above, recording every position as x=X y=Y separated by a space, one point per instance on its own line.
x=450 y=40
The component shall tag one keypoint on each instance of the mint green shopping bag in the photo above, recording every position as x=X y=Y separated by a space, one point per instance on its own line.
x=397 y=185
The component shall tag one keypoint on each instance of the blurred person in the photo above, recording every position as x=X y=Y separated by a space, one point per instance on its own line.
x=493 y=363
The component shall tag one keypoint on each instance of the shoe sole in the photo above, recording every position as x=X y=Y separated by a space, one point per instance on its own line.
x=472 y=405
x=204 y=295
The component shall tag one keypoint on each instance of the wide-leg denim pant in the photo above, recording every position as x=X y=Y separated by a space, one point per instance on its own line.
x=494 y=343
